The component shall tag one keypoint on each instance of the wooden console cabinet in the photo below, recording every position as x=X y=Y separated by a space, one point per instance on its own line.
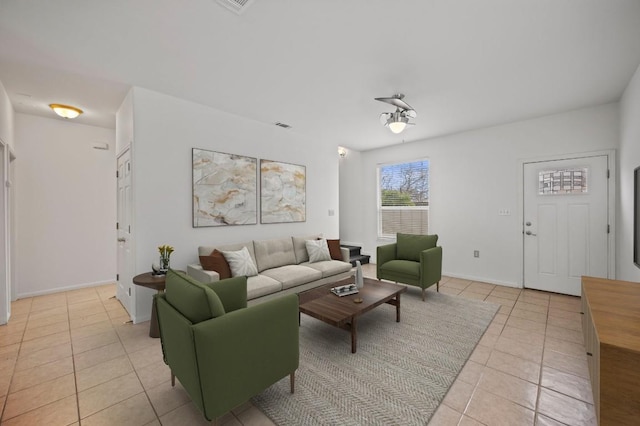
x=611 y=327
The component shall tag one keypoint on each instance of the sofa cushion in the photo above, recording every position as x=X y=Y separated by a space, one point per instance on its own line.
x=240 y=263
x=204 y=250
x=409 y=246
x=274 y=253
x=216 y=262
x=318 y=250
x=334 y=249
x=329 y=267
x=192 y=299
x=293 y=275
x=261 y=285
x=300 y=247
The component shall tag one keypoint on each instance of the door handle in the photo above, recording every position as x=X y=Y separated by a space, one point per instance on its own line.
x=122 y=240
x=530 y=233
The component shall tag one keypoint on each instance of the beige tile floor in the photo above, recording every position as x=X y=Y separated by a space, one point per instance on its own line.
x=71 y=358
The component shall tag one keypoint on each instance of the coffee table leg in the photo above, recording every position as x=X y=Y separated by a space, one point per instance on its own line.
x=398 y=308
x=354 y=335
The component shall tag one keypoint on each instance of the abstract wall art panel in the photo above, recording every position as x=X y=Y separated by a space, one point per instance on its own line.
x=224 y=189
x=282 y=192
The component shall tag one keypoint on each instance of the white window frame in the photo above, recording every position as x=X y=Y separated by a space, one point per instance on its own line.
x=380 y=208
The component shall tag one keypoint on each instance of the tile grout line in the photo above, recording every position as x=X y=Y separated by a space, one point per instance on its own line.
x=73 y=361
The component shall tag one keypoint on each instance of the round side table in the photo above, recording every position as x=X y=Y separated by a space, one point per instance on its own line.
x=154 y=282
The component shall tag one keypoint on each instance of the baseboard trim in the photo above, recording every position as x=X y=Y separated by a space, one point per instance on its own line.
x=482 y=279
x=61 y=289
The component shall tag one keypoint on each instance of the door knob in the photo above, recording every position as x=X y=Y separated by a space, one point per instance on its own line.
x=530 y=233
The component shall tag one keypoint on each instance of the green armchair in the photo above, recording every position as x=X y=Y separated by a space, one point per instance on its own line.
x=413 y=260
x=222 y=352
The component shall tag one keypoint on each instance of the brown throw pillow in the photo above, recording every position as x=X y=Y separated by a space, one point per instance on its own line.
x=216 y=262
x=334 y=249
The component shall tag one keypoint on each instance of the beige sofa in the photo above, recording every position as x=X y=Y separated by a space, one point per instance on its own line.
x=283 y=267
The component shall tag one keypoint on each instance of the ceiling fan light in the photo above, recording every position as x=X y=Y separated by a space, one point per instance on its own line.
x=65 y=111
x=397 y=122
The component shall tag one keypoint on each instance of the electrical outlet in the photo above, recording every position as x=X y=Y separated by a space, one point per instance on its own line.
x=476 y=253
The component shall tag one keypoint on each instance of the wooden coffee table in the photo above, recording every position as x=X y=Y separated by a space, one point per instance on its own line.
x=343 y=312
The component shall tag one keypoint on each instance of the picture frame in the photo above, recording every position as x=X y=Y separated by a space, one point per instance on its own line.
x=282 y=192
x=224 y=189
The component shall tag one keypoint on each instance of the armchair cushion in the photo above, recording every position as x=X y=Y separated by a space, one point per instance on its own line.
x=409 y=246
x=193 y=300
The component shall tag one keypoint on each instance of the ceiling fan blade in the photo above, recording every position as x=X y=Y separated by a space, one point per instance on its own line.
x=397 y=102
x=384 y=118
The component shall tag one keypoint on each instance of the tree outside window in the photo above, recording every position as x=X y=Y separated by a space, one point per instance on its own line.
x=403 y=198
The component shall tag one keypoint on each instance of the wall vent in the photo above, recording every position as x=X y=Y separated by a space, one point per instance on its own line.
x=283 y=125
x=237 y=6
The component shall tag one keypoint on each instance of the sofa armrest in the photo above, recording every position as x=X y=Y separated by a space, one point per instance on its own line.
x=345 y=254
x=431 y=266
x=243 y=352
x=196 y=271
x=232 y=292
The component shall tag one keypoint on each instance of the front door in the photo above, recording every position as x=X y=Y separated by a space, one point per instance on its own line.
x=123 y=291
x=566 y=231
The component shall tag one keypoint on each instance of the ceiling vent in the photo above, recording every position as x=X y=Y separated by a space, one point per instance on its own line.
x=237 y=6
x=283 y=125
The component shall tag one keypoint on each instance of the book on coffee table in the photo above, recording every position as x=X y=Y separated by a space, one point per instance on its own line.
x=344 y=290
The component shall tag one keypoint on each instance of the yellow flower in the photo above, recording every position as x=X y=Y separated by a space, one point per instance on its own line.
x=165 y=250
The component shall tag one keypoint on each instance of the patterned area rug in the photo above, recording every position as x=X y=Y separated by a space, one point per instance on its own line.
x=400 y=373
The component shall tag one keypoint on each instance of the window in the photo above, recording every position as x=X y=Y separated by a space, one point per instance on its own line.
x=562 y=181
x=403 y=198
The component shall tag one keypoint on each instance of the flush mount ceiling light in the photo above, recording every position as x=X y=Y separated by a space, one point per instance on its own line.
x=65 y=111
x=397 y=121
x=342 y=152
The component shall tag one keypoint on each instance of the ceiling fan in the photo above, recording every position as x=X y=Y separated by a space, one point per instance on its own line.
x=398 y=120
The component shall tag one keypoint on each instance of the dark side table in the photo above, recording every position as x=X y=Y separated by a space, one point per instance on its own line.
x=154 y=282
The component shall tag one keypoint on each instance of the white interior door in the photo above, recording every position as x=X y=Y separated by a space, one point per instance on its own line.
x=5 y=288
x=123 y=291
x=566 y=229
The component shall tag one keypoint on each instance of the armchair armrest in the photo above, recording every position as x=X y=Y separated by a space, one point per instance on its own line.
x=196 y=271
x=430 y=266
x=232 y=292
x=384 y=254
x=243 y=352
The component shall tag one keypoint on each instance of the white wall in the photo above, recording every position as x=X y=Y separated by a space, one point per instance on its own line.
x=473 y=175
x=65 y=206
x=629 y=160
x=165 y=131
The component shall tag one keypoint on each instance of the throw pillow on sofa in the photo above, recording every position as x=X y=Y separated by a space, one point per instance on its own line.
x=240 y=263
x=318 y=250
x=216 y=262
x=334 y=249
